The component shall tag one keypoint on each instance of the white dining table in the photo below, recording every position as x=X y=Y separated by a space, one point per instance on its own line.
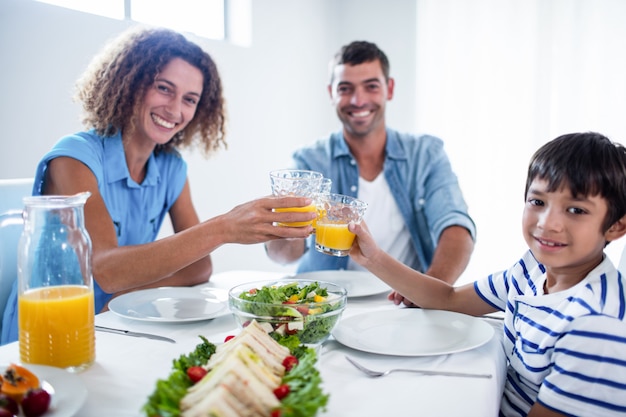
x=127 y=368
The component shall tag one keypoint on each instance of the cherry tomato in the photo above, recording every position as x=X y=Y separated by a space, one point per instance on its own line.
x=289 y=362
x=282 y=391
x=196 y=373
x=276 y=413
x=35 y=402
x=304 y=310
x=227 y=338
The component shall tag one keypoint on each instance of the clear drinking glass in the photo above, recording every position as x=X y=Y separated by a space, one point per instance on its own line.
x=296 y=182
x=334 y=213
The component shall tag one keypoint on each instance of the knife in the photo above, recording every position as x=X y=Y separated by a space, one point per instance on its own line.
x=134 y=334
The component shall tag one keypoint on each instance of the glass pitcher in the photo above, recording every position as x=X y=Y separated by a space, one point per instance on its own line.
x=55 y=284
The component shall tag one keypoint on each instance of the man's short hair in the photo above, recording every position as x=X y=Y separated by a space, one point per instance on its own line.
x=358 y=52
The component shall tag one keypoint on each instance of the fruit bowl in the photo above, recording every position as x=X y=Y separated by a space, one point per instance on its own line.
x=305 y=308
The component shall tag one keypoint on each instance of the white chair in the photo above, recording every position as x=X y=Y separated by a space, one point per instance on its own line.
x=12 y=192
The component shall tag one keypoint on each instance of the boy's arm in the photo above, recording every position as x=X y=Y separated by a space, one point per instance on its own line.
x=450 y=259
x=539 y=410
x=423 y=290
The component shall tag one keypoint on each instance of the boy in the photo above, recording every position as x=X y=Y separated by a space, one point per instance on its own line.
x=564 y=301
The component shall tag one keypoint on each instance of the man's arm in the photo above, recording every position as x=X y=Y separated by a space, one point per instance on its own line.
x=452 y=254
x=285 y=251
x=450 y=259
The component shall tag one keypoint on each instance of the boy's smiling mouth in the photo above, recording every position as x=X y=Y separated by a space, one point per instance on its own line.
x=549 y=243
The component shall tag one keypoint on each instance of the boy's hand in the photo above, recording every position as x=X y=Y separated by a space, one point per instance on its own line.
x=364 y=247
x=398 y=299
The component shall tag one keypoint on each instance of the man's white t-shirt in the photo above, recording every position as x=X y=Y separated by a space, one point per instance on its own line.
x=384 y=221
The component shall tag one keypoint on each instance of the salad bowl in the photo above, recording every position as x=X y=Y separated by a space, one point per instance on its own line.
x=306 y=309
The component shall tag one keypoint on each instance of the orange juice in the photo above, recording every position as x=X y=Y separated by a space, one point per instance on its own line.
x=56 y=326
x=310 y=208
x=320 y=213
x=335 y=237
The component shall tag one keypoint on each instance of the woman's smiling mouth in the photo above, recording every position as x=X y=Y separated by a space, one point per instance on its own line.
x=162 y=122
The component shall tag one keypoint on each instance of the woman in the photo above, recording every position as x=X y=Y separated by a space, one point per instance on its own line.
x=148 y=94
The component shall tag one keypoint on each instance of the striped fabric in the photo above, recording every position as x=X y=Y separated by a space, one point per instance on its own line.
x=566 y=350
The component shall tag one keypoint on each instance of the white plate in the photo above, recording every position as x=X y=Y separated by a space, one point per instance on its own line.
x=69 y=391
x=171 y=304
x=357 y=283
x=412 y=332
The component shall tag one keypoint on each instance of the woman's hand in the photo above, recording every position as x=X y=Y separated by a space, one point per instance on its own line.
x=256 y=221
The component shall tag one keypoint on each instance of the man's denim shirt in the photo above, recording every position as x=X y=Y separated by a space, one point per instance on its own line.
x=420 y=178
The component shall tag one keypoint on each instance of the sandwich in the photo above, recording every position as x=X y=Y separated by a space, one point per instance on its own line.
x=241 y=379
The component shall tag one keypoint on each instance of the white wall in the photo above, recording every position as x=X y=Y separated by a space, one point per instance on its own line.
x=275 y=90
x=494 y=78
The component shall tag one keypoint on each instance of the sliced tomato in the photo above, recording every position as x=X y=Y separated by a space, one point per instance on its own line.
x=196 y=373
x=289 y=362
x=282 y=391
x=227 y=338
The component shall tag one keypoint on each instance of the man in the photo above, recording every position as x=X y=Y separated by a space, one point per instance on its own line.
x=416 y=209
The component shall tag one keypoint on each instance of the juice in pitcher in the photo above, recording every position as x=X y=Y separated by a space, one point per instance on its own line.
x=57 y=326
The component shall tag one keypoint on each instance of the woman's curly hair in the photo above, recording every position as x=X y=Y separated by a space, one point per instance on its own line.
x=114 y=84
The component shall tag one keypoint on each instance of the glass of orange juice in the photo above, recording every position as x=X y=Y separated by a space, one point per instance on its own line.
x=325 y=188
x=55 y=284
x=335 y=212
x=296 y=182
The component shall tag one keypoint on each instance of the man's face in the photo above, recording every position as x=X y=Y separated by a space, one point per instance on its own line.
x=359 y=94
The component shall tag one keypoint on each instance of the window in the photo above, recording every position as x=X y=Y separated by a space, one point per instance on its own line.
x=204 y=18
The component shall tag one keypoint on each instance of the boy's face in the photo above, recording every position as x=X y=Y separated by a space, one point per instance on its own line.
x=562 y=231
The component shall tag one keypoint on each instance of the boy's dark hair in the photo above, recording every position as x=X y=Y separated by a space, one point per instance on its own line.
x=589 y=164
x=358 y=52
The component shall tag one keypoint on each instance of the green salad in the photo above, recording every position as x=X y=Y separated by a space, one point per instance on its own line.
x=308 y=311
x=305 y=396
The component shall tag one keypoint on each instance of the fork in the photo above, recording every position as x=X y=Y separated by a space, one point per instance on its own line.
x=376 y=374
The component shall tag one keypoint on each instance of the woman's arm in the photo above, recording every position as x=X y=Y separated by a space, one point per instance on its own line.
x=121 y=268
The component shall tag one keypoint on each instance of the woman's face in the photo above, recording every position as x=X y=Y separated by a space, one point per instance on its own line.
x=170 y=103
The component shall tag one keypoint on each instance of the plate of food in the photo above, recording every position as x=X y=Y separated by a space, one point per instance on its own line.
x=279 y=374
x=171 y=304
x=413 y=332
x=356 y=283
x=63 y=392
